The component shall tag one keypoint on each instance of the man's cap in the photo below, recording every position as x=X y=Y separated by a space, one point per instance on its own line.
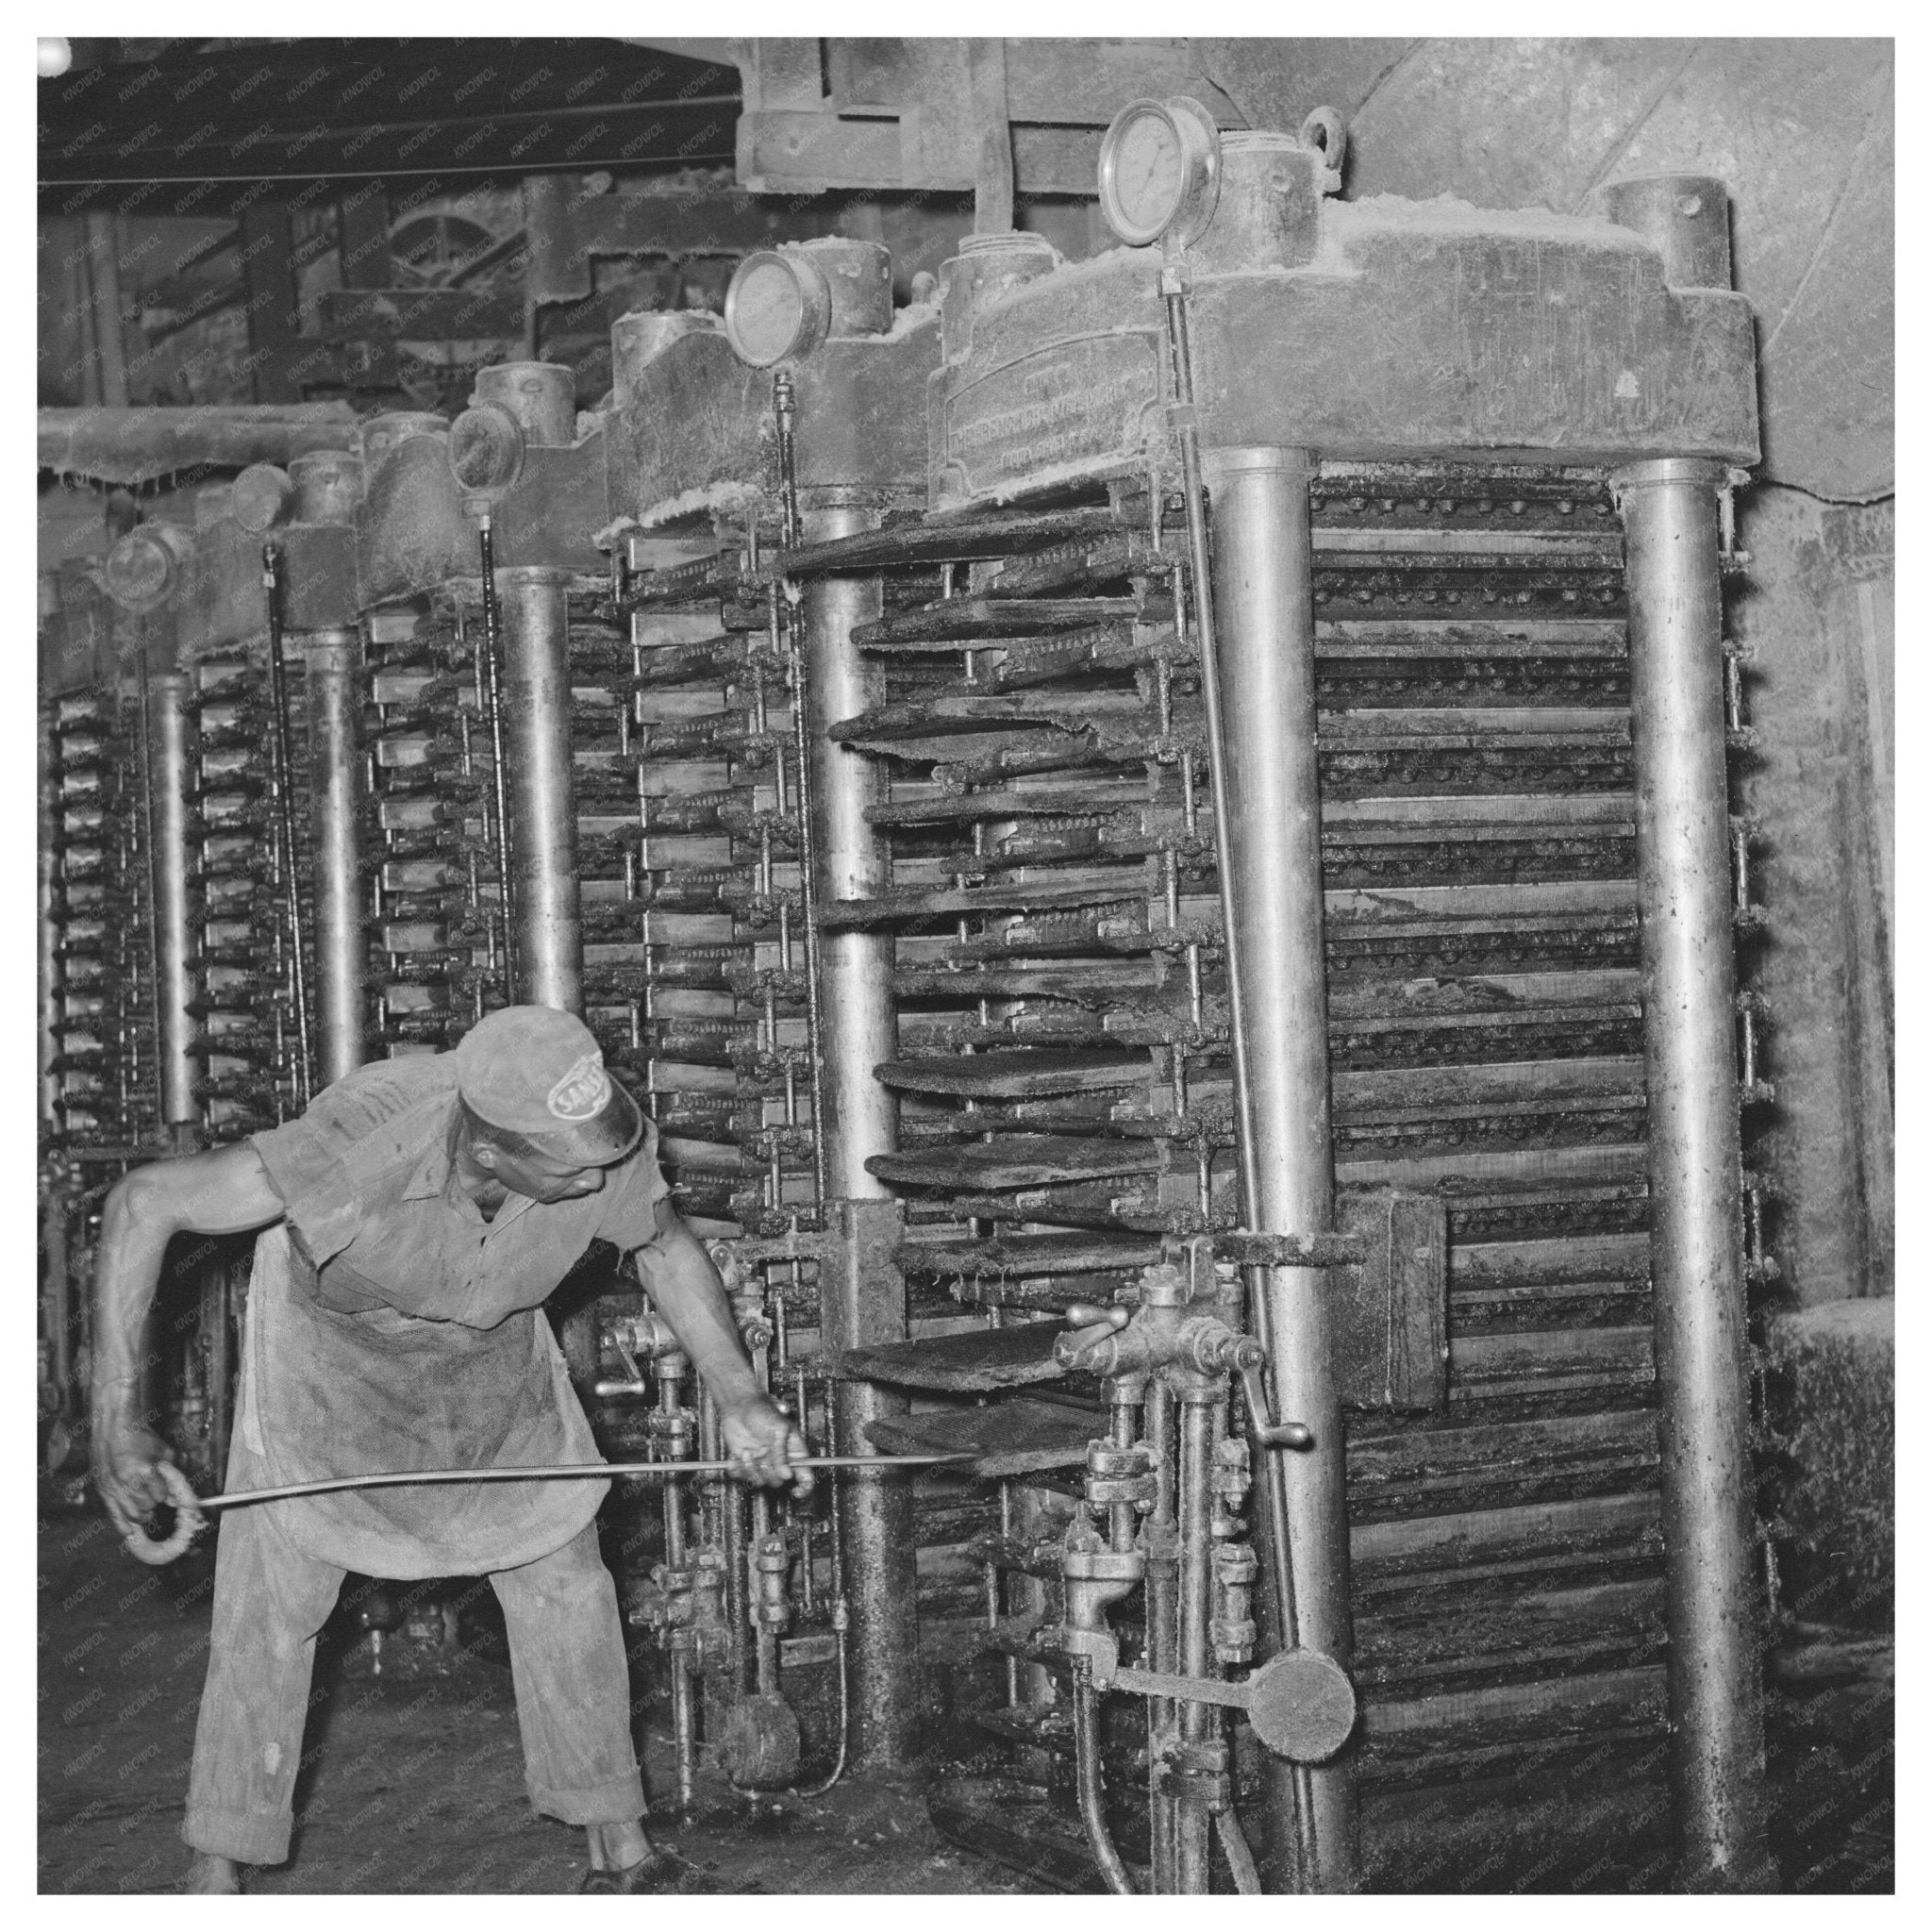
x=539 y=1072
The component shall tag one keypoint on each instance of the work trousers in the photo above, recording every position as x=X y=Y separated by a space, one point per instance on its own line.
x=566 y=1647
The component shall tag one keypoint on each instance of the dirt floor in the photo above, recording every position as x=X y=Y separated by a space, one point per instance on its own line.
x=413 y=1780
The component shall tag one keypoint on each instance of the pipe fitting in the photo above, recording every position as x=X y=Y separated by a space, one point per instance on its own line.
x=328 y=485
x=384 y=434
x=1094 y=1579
x=1268 y=213
x=260 y=497
x=1232 y=1628
x=540 y=397
x=1216 y=1349
x=673 y=1429
x=1232 y=1481
x=1684 y=218
x=647 y=1336
x=1117 y=1475
x=771 y=1565
x=710 y=1624
x=986 y=268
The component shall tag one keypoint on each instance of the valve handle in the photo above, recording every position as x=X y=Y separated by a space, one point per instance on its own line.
x=1269 y=1433
x=1091 y=1315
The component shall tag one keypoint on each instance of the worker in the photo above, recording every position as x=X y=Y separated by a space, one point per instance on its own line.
x=412 y=1222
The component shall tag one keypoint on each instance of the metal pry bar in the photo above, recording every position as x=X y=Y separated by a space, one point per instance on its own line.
x=394 y=1478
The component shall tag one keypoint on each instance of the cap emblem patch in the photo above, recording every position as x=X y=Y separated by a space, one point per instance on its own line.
x=583 y=1092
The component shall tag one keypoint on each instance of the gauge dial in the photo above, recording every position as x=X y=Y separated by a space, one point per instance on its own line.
x=1159 y=171
x=486 y=449
x=777 y=308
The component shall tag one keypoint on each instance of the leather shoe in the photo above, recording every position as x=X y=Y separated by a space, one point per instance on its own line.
x=660 y=1871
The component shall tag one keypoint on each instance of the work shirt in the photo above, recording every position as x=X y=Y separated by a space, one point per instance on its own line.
x=391 y=1326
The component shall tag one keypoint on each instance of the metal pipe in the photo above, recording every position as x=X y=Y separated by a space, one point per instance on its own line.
x=129 y=1059
x=1292 y=1808
x=1159 y=1535
x=862 y=1304
x=550 y=1472
x=1263 y=640
x=134 y=445
x=1240 y=1860
x=723 y=1506
x=807 y=891
x=844 y=1656
x=1123 y=1416
x=170 y=748
x=335 y=789
x=1683 y=856
x=1087 y=1777
x=284 y=770
x=669 y=1401
x=491 y=655
x=542 y=807
x=842 y=1615
x=1196 y=1606
x=765 y=1637
x=864 y=1301
x=684 y=1729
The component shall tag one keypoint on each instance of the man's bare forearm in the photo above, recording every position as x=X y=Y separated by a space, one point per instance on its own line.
x=226 y=1191
x=127 y=1269
x=685 y=1288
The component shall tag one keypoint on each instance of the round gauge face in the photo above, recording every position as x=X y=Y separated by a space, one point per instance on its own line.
x=139 y=571
x=1161 y=171
x=486 y=449
x=1148 y=172
x=764 y=313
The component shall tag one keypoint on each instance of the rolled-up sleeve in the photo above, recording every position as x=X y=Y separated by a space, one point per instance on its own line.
x=366 y=1122
x=631 y=1195
x=304 y=1168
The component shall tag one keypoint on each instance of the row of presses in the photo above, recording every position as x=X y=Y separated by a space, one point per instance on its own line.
x=1153 y=833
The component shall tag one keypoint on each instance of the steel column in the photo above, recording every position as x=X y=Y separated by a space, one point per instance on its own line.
x=1265 y=649
x=866 y=1303
x=1683 y=856
x=170 y=732
x=859 y=1024
x=543 y=805
x=335 y=790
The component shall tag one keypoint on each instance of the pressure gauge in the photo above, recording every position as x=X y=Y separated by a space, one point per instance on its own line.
x=1161 y=171
x=777 y=308
x=485 y=450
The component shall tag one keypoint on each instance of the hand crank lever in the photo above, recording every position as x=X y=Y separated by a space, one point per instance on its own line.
x=1270 y=1433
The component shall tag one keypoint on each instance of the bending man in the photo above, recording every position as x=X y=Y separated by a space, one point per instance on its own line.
x=413 y=1221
